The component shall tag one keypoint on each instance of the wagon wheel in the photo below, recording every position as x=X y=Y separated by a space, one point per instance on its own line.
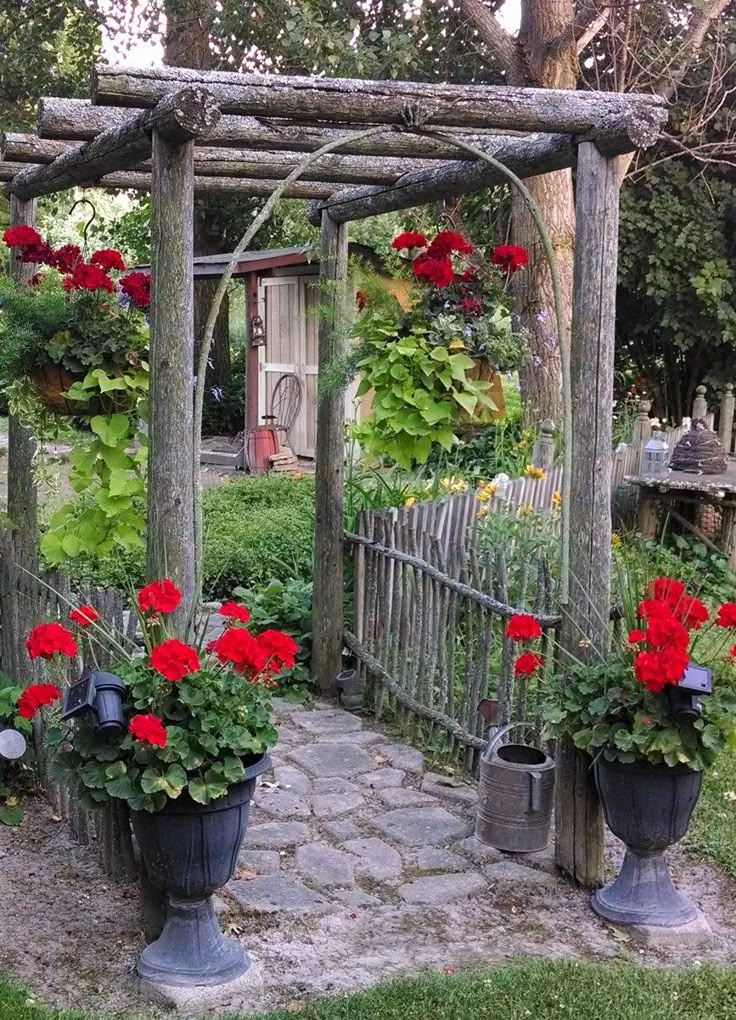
x=286 y=403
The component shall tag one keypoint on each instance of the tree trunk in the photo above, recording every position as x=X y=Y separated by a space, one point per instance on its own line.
x=545 y=67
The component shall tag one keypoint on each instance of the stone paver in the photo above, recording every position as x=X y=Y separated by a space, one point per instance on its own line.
x=356 y=898
x=420 y=826
x=438 y=889
x=381 y=779
x=276 y=835
x=341 y=830
x=519 y=875
x=281 y=803
x=449 y=789
x=477 y=852
x=333 y=805
x=336 y=721
x=292 y=780
x=401 y=756
x=361 y=737
x=404 y=796
x=334 y=784
x=287 y=735
x=376 y=859
x=324 y=866
x=437 y=859
x=333 y=759
x=272 y=894
x=262 y=862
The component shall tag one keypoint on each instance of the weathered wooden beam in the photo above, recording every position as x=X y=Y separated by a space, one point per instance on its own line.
x=131 y=180
x=213 y=162
x=78 y=120
x=528 y=157
x=17 y=614
x=327 y=614
x=585 y=626
x=345 y=100
x=171 y=545
x=180 y=116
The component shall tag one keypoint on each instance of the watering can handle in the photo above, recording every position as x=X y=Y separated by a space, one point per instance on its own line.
x=498 y=737
x=535 y=791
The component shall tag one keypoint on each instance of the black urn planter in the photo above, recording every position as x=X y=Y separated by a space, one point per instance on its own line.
x=649 y=808
x=190 y=850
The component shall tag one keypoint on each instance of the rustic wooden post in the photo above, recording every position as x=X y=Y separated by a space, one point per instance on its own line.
x=543 y=452
x=585 y=625
x=642 y=433
x=252 y=366
x=22 y=496
x=330 y=457
x=700 y=403
x=725 y=422
x=171 y=546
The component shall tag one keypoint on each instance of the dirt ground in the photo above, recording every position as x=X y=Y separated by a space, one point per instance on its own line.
x=73 y=937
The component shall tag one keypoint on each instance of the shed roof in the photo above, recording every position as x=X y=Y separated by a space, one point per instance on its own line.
x=255 y=261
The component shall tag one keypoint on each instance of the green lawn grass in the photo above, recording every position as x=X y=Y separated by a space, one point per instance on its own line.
x=713 y=830
x=541 y=990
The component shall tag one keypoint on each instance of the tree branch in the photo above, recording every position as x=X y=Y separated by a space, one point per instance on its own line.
x=703 y=16
x=503 y=46
x=586 y=25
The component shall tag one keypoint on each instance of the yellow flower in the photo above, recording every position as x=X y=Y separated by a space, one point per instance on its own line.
x=485 y=491
x=482 y=511
x=410 y=501
x=556 y=498
x=616 y=541
x=456 y=345
x=525 y=510
x=531 y=471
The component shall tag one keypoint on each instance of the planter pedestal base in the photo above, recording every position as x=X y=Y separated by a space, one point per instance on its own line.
x=191 y=950
x=643 y=894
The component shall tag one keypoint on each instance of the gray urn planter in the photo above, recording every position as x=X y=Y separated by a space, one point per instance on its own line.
x=190 y=850
x=649 y=808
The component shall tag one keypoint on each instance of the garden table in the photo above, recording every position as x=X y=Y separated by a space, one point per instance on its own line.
x=676 y=487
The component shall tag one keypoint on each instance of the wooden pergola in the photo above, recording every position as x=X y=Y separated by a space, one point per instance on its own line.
x=175 y=132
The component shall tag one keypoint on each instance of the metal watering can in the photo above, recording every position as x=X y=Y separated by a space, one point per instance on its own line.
x=516 y=791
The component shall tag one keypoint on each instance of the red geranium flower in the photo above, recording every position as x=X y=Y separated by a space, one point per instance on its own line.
x=438 y=271
x=636 y=637
x=149 y=728
x=49 y=639
x=659 y=668
x=21 y=236
x=232 y=611
x=665 y=632
x=36 y=696
x=174 y=659
x=471 y=306
x=733 y=651
x=108 y=258
x=280 y=648
x=65 y=258
x=509 y=257
x=159 y=597
x=690 y=612
x=653 y=607
x=238 y=648
x=726 y=615
x=38 y=254
x=86 y=277
x=448 y=241
x=523 y=627
x=84 y=615
x=138 y=288
x=527 y=663
x=667 y=589
x=409 y=239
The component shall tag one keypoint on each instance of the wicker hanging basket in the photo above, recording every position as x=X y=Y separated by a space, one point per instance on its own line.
x=699 y=452
x=51 y=382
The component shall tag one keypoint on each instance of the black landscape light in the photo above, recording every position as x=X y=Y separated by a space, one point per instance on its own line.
x=102 y=695
x=684 y=696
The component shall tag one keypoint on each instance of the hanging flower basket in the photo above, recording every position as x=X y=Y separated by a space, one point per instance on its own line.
x=51 y=383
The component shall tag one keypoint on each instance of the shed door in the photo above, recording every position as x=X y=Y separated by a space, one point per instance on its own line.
x=288 y=307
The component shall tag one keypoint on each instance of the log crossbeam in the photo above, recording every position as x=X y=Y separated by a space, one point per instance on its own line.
x=179 y=117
